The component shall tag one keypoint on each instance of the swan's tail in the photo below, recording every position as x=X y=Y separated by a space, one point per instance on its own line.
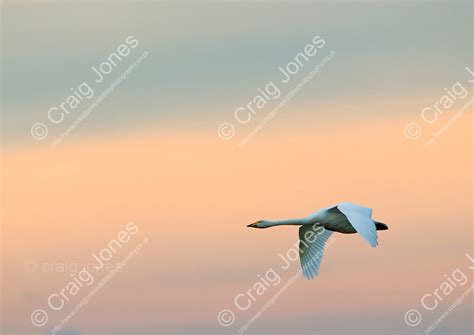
x=380 y=226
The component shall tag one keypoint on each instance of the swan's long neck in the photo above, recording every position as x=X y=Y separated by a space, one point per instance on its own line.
x=289 y=222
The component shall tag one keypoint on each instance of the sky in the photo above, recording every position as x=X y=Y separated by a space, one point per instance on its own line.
x=161 y=164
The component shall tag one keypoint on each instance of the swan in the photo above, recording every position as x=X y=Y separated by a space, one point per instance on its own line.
x=316 y=228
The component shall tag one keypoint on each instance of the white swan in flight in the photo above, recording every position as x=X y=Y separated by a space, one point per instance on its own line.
x=315 y=230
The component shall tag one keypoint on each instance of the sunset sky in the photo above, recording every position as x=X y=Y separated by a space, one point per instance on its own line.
x=150 y=154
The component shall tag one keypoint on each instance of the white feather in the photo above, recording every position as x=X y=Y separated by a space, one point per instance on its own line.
x=312 y=249
x=360 y=218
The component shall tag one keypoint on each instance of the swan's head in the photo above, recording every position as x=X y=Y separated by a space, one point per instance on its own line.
x=259 y=224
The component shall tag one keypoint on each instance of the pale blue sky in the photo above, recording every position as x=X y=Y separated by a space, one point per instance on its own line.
x=207 y=59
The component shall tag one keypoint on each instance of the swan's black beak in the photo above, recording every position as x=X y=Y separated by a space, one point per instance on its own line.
x=253 y=225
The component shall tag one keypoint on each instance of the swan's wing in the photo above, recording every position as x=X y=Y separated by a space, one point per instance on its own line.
x=359 y=217
x=349 y=206
x=312 y=241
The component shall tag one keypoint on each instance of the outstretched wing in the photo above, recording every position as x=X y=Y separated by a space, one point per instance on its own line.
x=360 y=218
x=313 y=239
x=349 y=206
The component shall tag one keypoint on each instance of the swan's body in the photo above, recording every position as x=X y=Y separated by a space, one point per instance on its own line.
x=315 y=230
